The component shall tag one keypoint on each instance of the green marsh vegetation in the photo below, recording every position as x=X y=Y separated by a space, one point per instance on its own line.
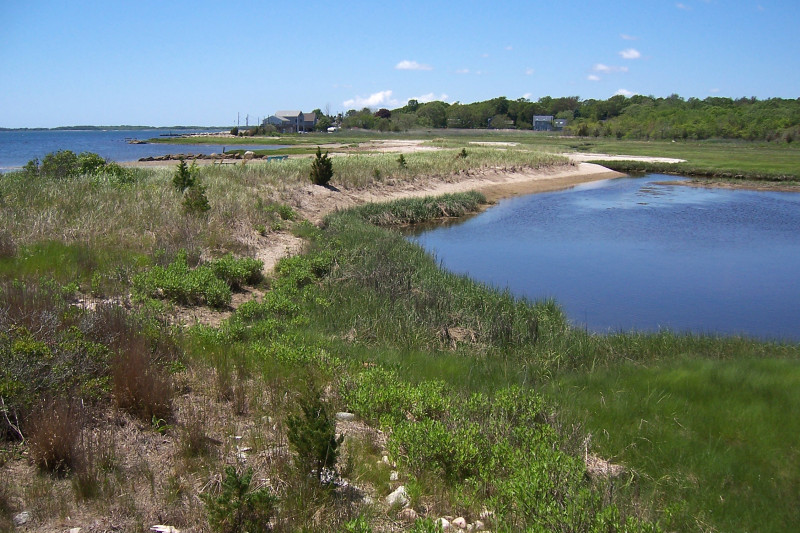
x=486 y=401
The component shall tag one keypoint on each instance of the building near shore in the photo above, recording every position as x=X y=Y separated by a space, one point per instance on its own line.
x=292 y=121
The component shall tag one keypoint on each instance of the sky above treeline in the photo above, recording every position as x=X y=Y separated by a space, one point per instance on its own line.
x=207 y=62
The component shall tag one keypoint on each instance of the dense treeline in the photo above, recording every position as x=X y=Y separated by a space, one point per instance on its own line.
x=635 y=117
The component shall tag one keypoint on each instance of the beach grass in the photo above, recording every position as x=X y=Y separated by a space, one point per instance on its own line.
x=712 y=441
x=485 y=400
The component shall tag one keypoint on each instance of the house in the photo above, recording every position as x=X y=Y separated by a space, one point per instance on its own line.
x=543 y=122
x=559 y=124
x=292 y=121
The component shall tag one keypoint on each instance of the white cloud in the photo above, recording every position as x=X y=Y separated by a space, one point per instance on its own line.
x=509 y=48
x=462 y=71
x=430 y=97
x=606 y=69
x=593 y=77
x=714 y=91
x=412 y=65
x=529 y=71
x=628 y=37
x=484 y=55
x=630 y=53
x=624 y=92
x=382 y=98
x=527 y=96
x=683 y=6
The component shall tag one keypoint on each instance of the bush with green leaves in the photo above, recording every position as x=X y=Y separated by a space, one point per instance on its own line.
x=312 y=434
x=321 y=168
x=60 y=165
x=238 y=508
x=178 y=283
x=237 y=272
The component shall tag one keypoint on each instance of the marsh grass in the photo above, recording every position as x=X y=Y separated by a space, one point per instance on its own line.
x=709 y=433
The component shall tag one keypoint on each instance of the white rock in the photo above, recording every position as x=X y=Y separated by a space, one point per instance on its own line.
x=164 y=529
x=345 y=417
x=22 y=518
x=460 y=523
x=74 y=530
x=394 y=476
x=479 y=525
x=444 y=524
x=398 y=497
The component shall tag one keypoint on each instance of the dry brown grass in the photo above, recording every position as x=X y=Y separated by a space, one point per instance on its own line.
x=139 y=385
x=54 y=432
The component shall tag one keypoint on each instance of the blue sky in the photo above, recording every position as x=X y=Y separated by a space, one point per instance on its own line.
x=202 y=62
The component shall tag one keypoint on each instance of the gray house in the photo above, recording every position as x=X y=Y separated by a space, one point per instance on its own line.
x=543 y=122
x=292 y=121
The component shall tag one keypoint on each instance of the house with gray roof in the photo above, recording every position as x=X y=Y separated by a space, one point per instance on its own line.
x=292 y=121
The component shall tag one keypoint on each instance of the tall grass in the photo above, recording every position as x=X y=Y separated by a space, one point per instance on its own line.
x=713 y=441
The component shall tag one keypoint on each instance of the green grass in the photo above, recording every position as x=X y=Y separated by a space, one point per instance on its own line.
x=715 y=441
x=720 y=156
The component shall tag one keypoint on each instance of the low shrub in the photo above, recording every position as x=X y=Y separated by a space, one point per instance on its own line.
x=238 y=507
x=178 y=283
x=195 y=202
x=312 y=434
x=237 y=272
x=321 y=169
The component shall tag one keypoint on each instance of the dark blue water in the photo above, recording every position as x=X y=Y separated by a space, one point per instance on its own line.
x=17 y=147
x=633 y=254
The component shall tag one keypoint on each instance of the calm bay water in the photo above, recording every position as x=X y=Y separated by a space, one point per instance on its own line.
x=634 y=253
x=17 y=147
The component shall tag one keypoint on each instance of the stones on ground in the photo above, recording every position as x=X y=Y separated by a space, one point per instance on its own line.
x=22 y=518
x=444 y=524
x=398 y=497
x=460 y=523
x=345 y=417
x=394 y=476
x=408 y=515
x=478 y=526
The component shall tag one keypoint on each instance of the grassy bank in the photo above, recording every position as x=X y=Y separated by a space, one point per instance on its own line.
x=485 y=405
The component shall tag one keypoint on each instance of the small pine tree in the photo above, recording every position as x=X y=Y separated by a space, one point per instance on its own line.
x=195 y=201
x=238 y=507
x=313 y=435
x=321 y=169
x=183 y=178
x=402 y=161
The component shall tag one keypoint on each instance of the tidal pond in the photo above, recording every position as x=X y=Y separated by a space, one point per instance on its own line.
x=641 y=254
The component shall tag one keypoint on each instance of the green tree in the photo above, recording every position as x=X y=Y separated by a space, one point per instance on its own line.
x=321 y=168
x=183 y=177
x=312 y=434
x=237 y=508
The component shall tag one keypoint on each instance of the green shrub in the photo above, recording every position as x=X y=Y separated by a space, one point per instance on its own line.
x=178 y=283
x=60 y=165
x=90 y=163
x=321 y=169
x=183 y=177
x=195 y=201
x=312 y=434
x=239 y=508
x=237 y=272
